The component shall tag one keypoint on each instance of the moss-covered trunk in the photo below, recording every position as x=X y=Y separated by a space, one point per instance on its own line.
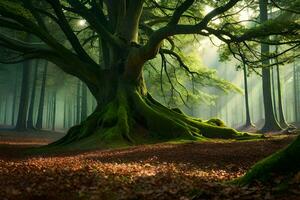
x=285 y=162
x=127 y=115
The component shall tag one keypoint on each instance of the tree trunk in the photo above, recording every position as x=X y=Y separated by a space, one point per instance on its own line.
x=296 y=90
x=65 y=113
x=273 y=87
x=271 y=123
x=248 y=117
x=69 y=119
x=1 y=110
x=285 y=162
x=78 y=103
x=23 y=105
x=32 y=99
x=49 y=112
x=14 y=100
x=83 y=102
x=39 y=122
x=54 y=111
x=5 y=110
x=280 y=107
x=131 y=116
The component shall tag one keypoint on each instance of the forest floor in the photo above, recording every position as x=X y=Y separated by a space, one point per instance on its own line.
x=162 y=171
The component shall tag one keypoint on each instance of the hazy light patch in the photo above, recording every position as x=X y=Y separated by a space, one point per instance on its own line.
x=207 y=9
x=82 y=22
x=246 y=15
x=208 y=53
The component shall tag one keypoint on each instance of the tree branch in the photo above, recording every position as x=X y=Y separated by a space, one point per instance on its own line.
x=80 y=9
x=153 y=45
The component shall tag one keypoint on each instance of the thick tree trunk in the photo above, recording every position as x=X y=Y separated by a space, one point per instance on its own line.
x=285 y=162
x=39 y=122
x=32 y=99
x=271 y=123
x=131 y=116
x=23 y=105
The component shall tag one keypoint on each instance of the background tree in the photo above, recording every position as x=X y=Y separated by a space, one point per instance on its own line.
x=33 y=96
x=40 y=114
x=24 y=98
x=269 y=105
x=248 y=117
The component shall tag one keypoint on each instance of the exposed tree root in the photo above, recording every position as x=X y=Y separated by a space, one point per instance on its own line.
x=285 y=162
x=132 y=118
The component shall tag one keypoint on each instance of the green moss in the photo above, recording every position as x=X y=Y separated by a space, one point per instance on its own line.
x=283 y=162
x=110 y=117
x=123 y=124
x=161 y=123
x=216 y=122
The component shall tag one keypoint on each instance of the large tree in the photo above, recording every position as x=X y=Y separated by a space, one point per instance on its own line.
x=130 y=33
x=269 y=103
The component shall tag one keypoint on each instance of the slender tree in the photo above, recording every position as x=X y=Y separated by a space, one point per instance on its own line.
x=14 y=100
x=273 y=89
x=65 y=113
x=78 y=102
x=24 y=98
x=84 y=99
x=248 y=117
x=40 y=115
x=5 y=110
x=296 y=92
x=281 y=116
x=33 y=95
x=54 y=110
